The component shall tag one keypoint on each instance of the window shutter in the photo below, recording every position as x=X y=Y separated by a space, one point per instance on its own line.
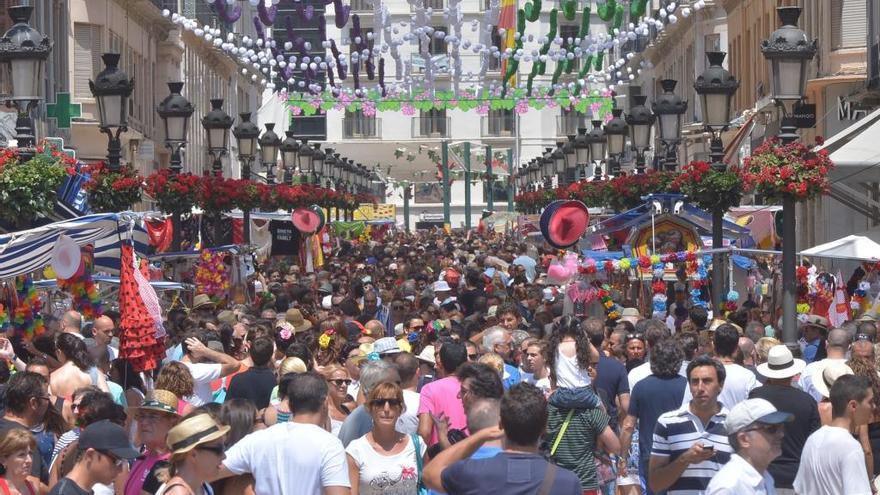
x=87 y=57
x=849 y=26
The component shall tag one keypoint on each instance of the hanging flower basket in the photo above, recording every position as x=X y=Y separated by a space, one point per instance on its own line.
x=709 y=188
x=112 y=191
x=173 y=193
x=28 y=190
x=795 y=170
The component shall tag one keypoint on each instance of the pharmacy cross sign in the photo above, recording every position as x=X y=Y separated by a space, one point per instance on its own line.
x=63 y=110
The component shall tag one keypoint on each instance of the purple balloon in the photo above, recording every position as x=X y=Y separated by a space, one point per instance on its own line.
x=267 y=15
x=288 y=25
x=225 y=14
x=259 y=27
x=382 y=76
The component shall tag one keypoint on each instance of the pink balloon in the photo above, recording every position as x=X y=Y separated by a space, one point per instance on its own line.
x=557 y=273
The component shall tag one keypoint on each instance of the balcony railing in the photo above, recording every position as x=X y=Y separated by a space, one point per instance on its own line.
x=361 y=128
x=567 y=125
x=431 y=127
x=498 y=126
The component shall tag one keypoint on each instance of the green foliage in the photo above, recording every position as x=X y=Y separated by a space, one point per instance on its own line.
x=28 y=190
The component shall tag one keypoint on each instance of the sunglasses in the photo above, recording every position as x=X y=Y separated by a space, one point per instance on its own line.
x=116 y=460
x=340 y=382
x=383 y=402
x=635 y=336
x=473 y=357
x=770 y=429
x=398 y=307
x=864 y=337
x=217 y=450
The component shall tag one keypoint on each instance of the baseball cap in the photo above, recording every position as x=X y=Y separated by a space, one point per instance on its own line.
x=106 y=436
x=386 y=345
x=441 y=286
x=751 y=411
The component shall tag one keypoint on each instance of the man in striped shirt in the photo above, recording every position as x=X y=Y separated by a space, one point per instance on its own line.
x=690 y=443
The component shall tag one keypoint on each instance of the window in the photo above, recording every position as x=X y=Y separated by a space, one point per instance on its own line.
x=849 y=27
x=497 y=41
x=86 y=56
x=712 y=42
x=358 y=125
x=500 y=123
x=567 y=31
x=437 y=46
x=353 y=47
x=432 y=123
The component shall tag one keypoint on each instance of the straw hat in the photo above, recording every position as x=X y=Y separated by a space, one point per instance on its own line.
x=824 y=376
x=162 y=401
x=295 y=318
x=202 y=301
x=427 y=355
x=194 y=431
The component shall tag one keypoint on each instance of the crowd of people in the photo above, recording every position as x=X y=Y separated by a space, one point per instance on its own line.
x=442 y=363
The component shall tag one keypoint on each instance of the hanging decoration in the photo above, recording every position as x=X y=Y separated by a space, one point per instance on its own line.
x=27 y=322
x=82 y=288
x=4 y=318
x=795 y=170
x=212 y=275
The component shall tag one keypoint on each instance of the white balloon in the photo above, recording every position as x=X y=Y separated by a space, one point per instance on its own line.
x=686 y=12
x=209 y=36
x=166 y=12
x=199 y=33
x=673 y=19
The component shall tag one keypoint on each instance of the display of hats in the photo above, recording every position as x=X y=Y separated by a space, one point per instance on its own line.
x=306 y=220
x=564 y=222
x=66 y=257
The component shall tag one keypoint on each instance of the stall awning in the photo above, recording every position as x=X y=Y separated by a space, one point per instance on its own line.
x=851 y=246
x=856 y=146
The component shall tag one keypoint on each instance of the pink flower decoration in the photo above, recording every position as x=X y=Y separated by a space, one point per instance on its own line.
x=408 y=109
x=296 y=110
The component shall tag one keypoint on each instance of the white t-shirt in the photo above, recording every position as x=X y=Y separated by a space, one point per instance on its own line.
x=832 y=462
x=290 y=458
x=738 y=383
x=738 y=477
x=203 y=374
x=408 y=422
x=568 y=373
x=386 y=475
x=638 y=374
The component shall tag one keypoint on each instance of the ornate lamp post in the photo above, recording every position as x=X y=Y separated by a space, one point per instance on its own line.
x=23 y=54
x=597 y=143
x=571 y=164
x=175 y=111
x=640 y=120
x=318 y=157
x=558 y=156
x=246 y=133
x=111 y=89
x=217 y=124
x=582 y=153
x=615 y=133
x=716 y=87
x=548 y=167
x=305 y=160
x=789 y=51
x=669 y=109
x=289 y=152
x=269 y=145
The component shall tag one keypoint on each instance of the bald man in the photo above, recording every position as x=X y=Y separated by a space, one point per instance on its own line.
x=71 y=323
x=103 y=333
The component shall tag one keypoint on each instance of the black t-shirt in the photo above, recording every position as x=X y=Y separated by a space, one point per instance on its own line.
x=66 y=486
x=285 y=238
x=612 y=379
x=38 y=469
x=508 y=473
x=255 y=384
x=806 y=421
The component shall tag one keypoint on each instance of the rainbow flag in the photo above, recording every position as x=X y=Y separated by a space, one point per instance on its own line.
x=507 y=20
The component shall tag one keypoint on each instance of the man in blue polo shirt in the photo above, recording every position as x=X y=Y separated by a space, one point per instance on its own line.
x=690 y=444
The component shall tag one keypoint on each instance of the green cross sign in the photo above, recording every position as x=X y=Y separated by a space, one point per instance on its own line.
x=63 y=110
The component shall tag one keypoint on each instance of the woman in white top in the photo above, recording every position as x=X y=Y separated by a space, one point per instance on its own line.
x=197 y=453
x=385 y=461
x=570 y=354
x=338 y=401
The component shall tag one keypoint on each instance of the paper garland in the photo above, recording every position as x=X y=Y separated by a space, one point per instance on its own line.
x=27 y=322
x=212 y=275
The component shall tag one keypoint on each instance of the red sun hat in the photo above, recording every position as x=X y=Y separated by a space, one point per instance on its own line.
x=563 y=223
x=306 y=220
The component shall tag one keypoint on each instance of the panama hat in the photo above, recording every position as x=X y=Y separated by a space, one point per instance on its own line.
x=194 y=431
x=427 y=355
x=816 y=321
x=824 y=376
x=66 y=257
x=202 y=301
x=295 y=318
x=305 y=220
x=781 y=364
x=564 y=222
x=162 y=401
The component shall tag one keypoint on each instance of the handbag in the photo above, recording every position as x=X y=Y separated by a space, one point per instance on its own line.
x=417 y=443
x=561 y=432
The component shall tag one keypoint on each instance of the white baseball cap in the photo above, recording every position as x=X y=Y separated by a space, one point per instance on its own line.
x=751 y=411
x=441 y=286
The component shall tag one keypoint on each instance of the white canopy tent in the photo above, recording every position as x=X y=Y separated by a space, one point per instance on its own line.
x=852 y=246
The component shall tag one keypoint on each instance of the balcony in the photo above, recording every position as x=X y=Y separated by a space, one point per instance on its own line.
x=431 y=127
x=568 y=124
x=436 y=5
x=171 y=5
x=361 y=6
x=361 y=128
x=498 y=126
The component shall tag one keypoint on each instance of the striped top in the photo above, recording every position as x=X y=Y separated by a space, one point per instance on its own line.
x=575 y=451
x=676 y=432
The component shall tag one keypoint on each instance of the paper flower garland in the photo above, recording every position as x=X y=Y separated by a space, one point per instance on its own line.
x=4 y=318
x=82 y=288
x=27 y=321
x=212 y=275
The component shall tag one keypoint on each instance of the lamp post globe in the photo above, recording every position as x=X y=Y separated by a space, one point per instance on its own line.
x=615 y=134
x=640 y=120
x=175 y=111
x=597 y=143
x=289 y=151
x=246 y=134
x=669 y=109
x=269 y=145
x=716 y=87
x=111 y=89
x=217 y=124
x=318 y=157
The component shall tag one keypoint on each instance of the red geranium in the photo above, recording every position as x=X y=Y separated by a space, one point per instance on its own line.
x=777 y=170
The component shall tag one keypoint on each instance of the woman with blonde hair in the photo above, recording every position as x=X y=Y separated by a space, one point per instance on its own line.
x=762 y=348
x=176 y=378
x=385 y=460
x=340 y=404
x=197 y=453
x=279 y=409
x=16 y=445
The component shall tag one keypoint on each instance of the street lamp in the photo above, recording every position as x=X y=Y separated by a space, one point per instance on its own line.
x=317 y=161
x=269 y=144
x=23 y=54
x=289 y=152
x=111 y=89
x=640 y=120
x=582 y=152
x=669 y=109
x=789 y=51
x=217 y=124
x=175 y=111
x=615 y=133
x=246 y=133
x=305 y=160
x=326 y=166
x=571 y=164
x=596 y=142
x=558 y=156
x=716 y=87
x=548 y=167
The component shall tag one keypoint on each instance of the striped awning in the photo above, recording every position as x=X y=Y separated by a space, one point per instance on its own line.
x=30 y=250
